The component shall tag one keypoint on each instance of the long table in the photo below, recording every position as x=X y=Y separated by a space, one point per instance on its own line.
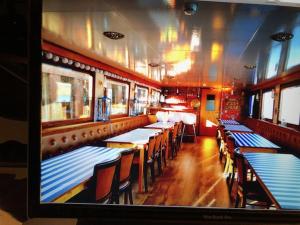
x=137 y=138
x=237 y=128
x=233 y=122
x=250 y=142
x=64 y=176
x=161 y=125
x=279 y=175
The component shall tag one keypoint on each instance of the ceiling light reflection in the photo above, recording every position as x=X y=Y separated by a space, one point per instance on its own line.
x=195 y=40
x=216 y=51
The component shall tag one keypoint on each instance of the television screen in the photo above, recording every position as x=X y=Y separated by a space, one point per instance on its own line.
x=144 y=161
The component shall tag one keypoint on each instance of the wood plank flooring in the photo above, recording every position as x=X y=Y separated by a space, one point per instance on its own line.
x=193 y=178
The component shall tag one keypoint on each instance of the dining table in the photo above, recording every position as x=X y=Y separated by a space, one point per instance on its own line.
x=279 y=176
x=65 y=175
x=232 y=122
x=252 y=142
x=161 y=125
x=138 y=139
x=236 y=128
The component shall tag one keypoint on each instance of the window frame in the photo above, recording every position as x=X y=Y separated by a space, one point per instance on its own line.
x=128 y=100
x=58 y=123
x=282 y=87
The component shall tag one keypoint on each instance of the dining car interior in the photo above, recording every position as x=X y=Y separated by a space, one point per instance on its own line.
x=170 y=103
x=152 y=110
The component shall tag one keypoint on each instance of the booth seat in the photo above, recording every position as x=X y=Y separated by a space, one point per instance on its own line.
x=58 y=140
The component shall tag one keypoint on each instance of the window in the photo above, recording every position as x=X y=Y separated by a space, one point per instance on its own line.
x=118 y=93
x=274 y=58
x=289 y=109
x=141 y=95
x=155 y=96
x=66 y=94
x=210 y=103
x=267 y=105
x=293 y=58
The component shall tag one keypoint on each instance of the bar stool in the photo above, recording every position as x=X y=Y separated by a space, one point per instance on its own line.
x=188 y=119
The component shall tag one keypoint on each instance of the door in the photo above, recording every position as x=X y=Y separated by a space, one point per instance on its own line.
x=209 y=112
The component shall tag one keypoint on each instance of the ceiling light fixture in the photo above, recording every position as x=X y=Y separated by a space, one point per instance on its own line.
x=282 y=36
x=153 y=64
x=250 y=67
x=190 y=8
x=113 y=35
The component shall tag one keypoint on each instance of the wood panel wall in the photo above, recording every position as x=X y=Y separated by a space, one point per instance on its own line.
x=287 y=138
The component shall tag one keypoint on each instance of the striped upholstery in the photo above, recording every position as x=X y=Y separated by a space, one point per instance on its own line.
x=62 y=173
x=252 y=140
x=240 y=128
x=280 y=174
x=233 y=122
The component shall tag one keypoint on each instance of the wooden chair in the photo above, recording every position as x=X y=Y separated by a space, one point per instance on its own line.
x=157 y=152
x=101 y=185
x=174 y=140
x=179 y=134
x=164 y=145
x=124 y=177
x=230 y=162
x=149 y=161
x=222 y=149
x=248 y=190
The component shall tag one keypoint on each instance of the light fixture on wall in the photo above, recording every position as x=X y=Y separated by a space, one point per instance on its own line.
x=282 y=36
x=113 y=35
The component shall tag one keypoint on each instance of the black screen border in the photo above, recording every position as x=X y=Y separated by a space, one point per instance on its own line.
x=107 y=213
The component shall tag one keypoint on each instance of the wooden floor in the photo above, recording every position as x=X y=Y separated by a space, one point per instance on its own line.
x=193 y=178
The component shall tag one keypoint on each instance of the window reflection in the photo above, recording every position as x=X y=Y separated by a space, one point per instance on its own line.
x=141 y=98
x=274 y=57
x=293 y=58
x=66 y=94
x=118 y=93
x=267 y=105
x=289 y=111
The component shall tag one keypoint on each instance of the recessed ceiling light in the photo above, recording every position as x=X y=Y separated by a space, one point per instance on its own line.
x=250 y=67
x=282 y=36
x=153 y=64
x=113 y=35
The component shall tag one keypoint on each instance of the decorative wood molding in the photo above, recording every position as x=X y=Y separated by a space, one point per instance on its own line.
x=61 y=51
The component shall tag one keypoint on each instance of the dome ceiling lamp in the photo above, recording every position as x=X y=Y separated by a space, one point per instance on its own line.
x=282 y=36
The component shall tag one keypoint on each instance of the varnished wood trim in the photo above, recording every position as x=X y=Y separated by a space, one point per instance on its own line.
x=66 y=128
x=283 y=79
x=48 y=46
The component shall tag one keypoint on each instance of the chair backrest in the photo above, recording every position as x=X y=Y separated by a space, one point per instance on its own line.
x=222 y=127
x=102 y=180
x=151 y=146
x=162 y=116
x=126 y=163
x=158 y=142
x=180 y=126
x=165 y=137
x=175 y=130
x=174 y=117
x=230 y=142
x=189 y=118
x=241 y=169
